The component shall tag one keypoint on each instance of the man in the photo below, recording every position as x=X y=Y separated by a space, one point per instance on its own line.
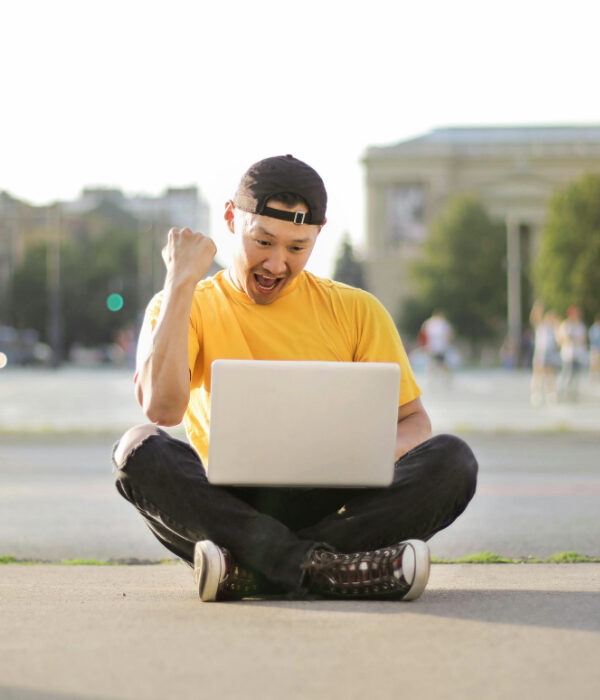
x=438 y=333
x=594 y=338
x=572 y=338
x=251 y=541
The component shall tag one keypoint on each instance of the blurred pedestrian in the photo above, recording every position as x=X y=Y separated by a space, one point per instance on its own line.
x=126 y=340
x=572 y=338
x=546 y=355
x=527 y=347
x=437 y=334
x=594 y=338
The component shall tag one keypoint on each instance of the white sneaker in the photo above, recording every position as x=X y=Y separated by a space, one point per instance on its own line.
x=217 y=575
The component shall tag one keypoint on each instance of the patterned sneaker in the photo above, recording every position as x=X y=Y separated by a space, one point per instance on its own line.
x=400 y=571
x=217 y=575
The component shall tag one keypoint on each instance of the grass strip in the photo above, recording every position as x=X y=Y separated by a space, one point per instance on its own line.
x=492 y=558
x=9 y=559
x=478 y=558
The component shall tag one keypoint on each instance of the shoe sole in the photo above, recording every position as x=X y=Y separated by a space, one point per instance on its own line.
x=209 y=567
x=418 y=551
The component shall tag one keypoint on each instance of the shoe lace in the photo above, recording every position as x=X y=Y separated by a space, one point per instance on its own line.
x=378 y=571
x=237 y=579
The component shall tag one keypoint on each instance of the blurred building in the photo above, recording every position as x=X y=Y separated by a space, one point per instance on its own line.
x=177 y=206
x=22 y=223
x=511 y=170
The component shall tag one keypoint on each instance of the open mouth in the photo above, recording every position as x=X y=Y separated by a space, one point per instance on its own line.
x=267 y=285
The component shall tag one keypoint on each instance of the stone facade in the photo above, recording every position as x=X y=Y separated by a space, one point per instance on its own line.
x=512 y=170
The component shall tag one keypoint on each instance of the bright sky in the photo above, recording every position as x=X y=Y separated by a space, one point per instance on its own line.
x=145 y=95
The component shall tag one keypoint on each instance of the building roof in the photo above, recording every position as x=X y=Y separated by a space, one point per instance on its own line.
x=467 y=139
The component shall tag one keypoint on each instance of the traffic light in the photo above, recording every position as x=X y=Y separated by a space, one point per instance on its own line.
x=114 y=302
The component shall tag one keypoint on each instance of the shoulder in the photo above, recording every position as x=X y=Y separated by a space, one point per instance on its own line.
x=153 y=306
x=205 y=287
x=339 y=290
x=210 y=293
x=352 y=306
x=210 y=285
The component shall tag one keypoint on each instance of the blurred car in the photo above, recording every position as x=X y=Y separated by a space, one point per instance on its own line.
x=23 y=347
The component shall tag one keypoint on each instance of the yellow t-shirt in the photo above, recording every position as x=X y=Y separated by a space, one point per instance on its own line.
x=312 y=319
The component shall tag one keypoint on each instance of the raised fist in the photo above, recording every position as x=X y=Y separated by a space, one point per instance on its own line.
x=188 y=255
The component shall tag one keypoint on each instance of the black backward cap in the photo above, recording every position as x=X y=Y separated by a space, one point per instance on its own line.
x=280 y=174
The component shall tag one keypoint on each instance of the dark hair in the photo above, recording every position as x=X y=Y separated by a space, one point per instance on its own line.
x=289 y=199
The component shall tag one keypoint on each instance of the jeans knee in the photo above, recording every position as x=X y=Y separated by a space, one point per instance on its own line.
x=457 y=460
x=130 y=441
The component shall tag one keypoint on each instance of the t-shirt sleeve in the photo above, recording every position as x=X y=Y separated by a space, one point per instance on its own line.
x=378 y=340
x=144 y=345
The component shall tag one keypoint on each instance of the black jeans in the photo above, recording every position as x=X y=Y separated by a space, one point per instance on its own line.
x=274 y=530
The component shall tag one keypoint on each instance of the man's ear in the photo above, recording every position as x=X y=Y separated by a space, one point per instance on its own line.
x=321 y=226
x=229 y=215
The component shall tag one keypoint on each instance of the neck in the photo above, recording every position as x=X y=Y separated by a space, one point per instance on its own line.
x=233 y=279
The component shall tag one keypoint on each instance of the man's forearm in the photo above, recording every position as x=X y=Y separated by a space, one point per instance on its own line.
x=412 y=431
x=163 y=386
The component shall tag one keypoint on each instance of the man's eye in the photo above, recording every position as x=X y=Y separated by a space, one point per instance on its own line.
x=263 y=243
x=297 y=248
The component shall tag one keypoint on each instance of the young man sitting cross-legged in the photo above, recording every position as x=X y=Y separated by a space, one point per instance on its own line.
x=250 y=541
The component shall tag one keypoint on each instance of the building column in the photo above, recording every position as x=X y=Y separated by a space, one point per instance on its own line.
x=513 y=268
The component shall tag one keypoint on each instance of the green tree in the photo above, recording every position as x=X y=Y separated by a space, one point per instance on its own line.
x=567 y=270
x=29 y=290
x=348 y=269
x=414 y=311
x=463 y=272
x=92 y=270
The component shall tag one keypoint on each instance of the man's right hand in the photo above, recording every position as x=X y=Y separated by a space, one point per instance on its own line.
x=188 y=256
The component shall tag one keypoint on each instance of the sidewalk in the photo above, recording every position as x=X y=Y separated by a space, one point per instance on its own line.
x=101 y=401
x=479 y=631
x=499 y=401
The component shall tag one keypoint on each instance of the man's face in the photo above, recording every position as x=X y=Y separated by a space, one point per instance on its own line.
x=269 y=253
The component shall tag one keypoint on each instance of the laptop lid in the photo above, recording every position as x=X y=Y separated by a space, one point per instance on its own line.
x=280 y=423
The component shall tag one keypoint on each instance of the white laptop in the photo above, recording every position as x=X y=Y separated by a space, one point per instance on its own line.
x=277 y=423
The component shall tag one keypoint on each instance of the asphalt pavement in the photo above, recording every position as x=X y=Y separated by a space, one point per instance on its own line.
x=537 y=494
x=491 y=631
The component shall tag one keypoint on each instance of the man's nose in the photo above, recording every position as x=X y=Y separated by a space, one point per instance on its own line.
x=275 y=262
